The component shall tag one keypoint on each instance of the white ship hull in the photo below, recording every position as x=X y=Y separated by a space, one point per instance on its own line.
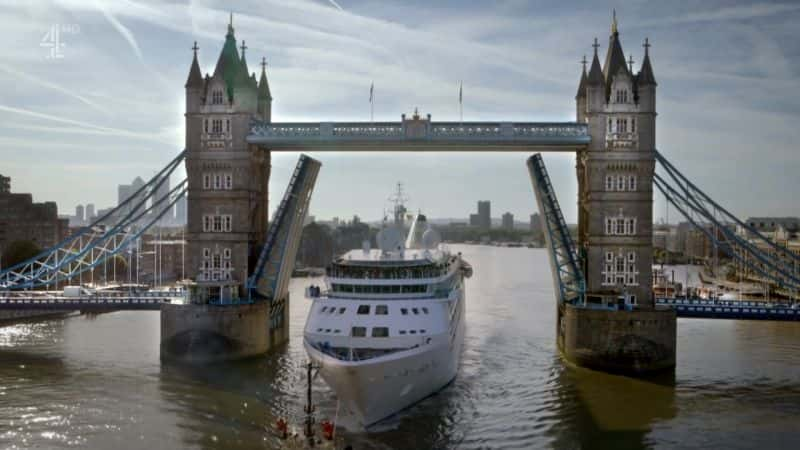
x=377 y=388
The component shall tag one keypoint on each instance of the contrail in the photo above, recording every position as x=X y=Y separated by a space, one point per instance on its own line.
x=122 y=30
x=53 y=86
x=128 y=36
x=333 y=2
x=78 y=123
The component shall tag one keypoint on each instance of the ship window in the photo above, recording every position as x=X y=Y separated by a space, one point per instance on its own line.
x=415 y=310
x=425 y=310
x=395 y=289
x=337 y=331
x=402 y=331
x=381 y=310
x=404 y=311
x=380 y=332
x=319 y=330
x=413 y=331
x=358 y=331
x=341 y=310
x=324 y=308
x=363 y=309
x=328 y=330
x=422 y=331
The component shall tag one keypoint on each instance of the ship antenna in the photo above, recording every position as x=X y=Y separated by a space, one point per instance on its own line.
x=399 y=199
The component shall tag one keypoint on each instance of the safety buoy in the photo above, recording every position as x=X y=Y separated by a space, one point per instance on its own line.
x=327 y=430
x=283 y=428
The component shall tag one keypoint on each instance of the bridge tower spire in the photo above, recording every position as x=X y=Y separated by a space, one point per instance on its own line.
x=264 y=95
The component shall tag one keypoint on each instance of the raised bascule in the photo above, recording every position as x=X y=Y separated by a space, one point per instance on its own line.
x=239 y=262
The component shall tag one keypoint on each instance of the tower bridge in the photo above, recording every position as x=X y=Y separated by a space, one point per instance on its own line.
x=239 y=262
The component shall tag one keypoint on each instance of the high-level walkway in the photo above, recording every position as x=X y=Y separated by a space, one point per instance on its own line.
x=416 y=134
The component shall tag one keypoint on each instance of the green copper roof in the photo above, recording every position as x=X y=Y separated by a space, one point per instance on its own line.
x=229 y=66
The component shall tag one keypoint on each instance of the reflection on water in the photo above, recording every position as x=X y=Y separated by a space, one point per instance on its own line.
x=98 y=383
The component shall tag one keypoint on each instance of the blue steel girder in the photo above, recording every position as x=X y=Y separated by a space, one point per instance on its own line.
x=275 y=263
x=68 y=258
x=690 y=211
x=697 y=203
x=566 y=269
x=702 y=200
x=108 y=245
x=148 y=188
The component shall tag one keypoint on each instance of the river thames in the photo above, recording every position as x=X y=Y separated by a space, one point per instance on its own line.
x=97 y=382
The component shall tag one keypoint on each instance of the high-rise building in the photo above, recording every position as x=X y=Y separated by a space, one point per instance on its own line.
x=80 y=215
x=180 y=211
x=5 y=185
x=90 y=214
x=485 y=214
x=508 y=221
x=125 y=191
x=536 y=223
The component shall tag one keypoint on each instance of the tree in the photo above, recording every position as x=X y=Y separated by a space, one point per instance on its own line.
x=316 y=246
x=19 y=251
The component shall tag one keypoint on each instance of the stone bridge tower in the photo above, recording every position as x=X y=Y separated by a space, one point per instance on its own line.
x=228 y=180
x=615 y=176
x=618 y=328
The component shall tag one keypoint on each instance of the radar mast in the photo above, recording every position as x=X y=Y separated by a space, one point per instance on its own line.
x=399 y=199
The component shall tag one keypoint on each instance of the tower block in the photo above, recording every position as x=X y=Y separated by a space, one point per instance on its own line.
x=618 y=327
x=227 y=213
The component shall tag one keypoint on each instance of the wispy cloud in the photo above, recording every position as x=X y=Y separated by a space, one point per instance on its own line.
x=720 y=64
x=122 y=30
x=732 y=13
x=50 y=85
x=81 y=126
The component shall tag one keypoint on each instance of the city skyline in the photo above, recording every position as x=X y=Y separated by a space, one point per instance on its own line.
x=70 y=137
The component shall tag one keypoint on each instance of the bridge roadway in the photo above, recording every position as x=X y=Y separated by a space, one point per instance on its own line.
x=103 y=301
x=417 y=134
x=732 y=309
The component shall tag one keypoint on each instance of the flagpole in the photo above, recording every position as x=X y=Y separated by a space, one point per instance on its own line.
x=372 y=102
x=461 y=102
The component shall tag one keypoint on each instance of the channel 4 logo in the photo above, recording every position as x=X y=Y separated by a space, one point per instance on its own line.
x=53 y=39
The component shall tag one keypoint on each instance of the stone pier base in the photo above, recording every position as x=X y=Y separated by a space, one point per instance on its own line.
x=628 y=342
x=208 y=333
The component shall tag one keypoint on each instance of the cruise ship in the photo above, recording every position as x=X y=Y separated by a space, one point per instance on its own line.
x=387 y=328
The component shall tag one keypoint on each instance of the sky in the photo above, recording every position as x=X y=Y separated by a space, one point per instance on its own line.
x=107 y=105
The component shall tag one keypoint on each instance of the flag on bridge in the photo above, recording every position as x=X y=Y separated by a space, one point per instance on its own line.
x=461 y=100
x=371 y=103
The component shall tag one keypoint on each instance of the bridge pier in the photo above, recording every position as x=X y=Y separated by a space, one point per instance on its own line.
x=199 y=334
x=628 y=342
